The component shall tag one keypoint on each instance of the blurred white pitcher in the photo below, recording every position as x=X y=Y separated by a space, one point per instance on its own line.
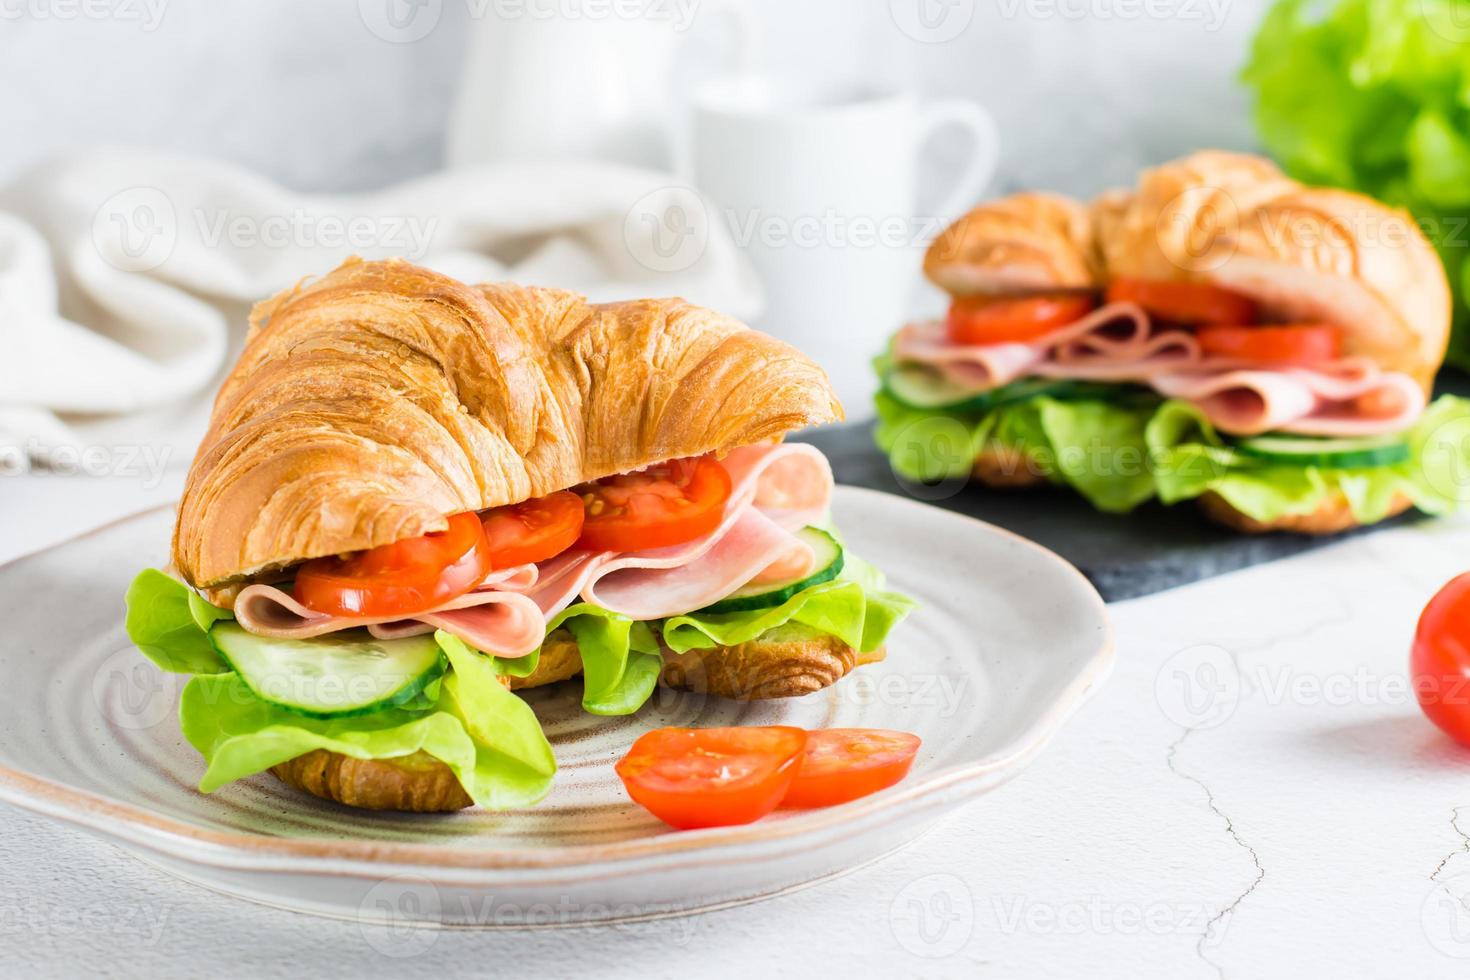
x=819 y=187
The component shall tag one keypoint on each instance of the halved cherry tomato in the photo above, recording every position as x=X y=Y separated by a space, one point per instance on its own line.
x=1294 y=343
x=843 y=764
x=1184 y=302
x=1016 y=319
x=712 y=777
x=533 y=530
x=1440 y=661
x=401 y=578
x=660 y=505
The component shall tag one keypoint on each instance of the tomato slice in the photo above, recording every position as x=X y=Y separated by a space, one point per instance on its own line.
x=1184 y=302
x=1013 y=319
x=843 y=764
x=660 y=505
x=533 y=530
x=712 y=777
x=401 y=578
x=1440 y=659
x=1294 y=343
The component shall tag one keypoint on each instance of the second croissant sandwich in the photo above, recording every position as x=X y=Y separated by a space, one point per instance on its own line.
x=416 y=496
x=1218 y=332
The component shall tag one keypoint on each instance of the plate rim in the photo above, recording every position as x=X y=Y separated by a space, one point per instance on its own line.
x=176 y=840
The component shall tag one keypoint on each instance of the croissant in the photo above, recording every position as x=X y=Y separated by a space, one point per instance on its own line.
x=370 y=405
x=1303 y=254
x=374 y=404
x=1023 y=242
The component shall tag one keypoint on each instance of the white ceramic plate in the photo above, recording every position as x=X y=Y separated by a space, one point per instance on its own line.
x=1008 y=639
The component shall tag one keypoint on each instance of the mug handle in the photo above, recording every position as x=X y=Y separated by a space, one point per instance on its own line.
x=983 y=159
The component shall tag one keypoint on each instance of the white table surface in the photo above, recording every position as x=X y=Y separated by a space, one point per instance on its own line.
x=1305 y=828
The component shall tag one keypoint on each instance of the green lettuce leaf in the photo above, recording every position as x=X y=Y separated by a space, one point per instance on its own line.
x=204 y=613
x=1190 y=459
x=1097 y=447
x=929 y=446
x=239 y=735
x=620 y=658
x=1374 y=95
x=161 y=622
x=467 y=719
x=854 y=607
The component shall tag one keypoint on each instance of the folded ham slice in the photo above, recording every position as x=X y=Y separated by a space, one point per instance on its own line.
x=1114 y=343
x=1117 y=343
x=508 y=623
x=1352 y=397
x=775 y=490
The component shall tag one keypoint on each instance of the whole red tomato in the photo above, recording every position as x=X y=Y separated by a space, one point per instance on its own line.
x=1440 y=662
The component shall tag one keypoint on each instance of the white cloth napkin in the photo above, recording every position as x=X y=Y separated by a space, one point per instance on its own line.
x=125 y=277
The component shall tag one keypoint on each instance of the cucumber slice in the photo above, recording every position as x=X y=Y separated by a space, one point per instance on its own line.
x=336 y=676
x=920 y=387
x=1327 y=453
x=766 y=594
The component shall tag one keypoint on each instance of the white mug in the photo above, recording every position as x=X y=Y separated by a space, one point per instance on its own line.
x=819 y=188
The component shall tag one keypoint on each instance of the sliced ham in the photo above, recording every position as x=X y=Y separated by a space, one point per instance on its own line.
x=979 y=367
x=1112 y=343
x=501 y=622
x=1117 y=343
x=775 y=490
x=1352 y=397
x=752 y=543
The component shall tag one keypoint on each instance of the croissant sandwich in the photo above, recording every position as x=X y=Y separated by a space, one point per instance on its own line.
x=416 y=496
x=1219 y=332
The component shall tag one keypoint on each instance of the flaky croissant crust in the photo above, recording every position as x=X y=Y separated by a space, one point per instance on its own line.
x=372 y=404
x=1233 y=219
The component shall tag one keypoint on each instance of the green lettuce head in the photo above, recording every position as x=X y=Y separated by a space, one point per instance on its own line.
x=1372 y=96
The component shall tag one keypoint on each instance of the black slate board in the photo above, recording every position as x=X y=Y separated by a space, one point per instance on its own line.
x=1125 y=556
